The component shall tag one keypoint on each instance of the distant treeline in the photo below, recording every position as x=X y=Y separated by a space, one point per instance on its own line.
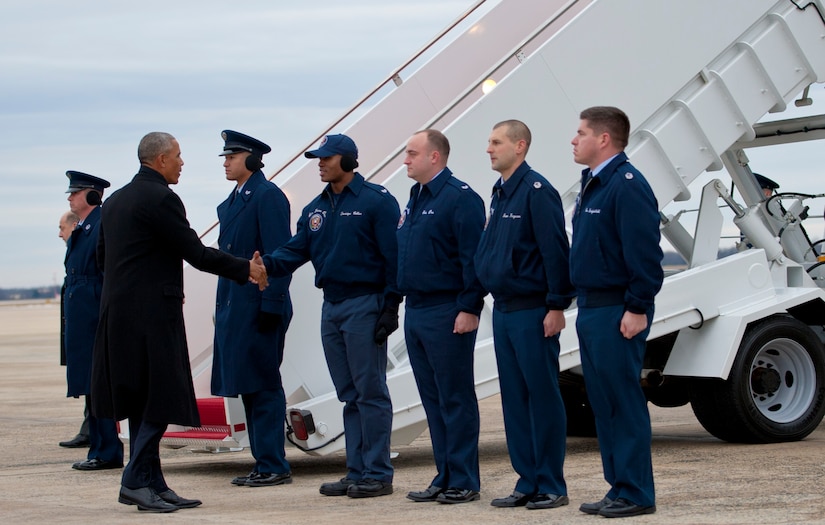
x=20 y=294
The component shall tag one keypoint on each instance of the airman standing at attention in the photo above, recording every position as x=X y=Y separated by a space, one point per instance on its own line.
x=81 y=305
x=250 y=324
x=437 y=240
x=67 y=224
x=522 y=261
x=348 y=232
x=616 y=266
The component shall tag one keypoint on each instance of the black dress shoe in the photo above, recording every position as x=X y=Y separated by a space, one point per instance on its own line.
x=516 y=499
x=429 y=494
x=96 y=464
x=458 y=496
x=621 y=508
x=79 y=441
x=337 y=488
x=369 y=488
x=267 y=479
x=145 y=499
x=547 y=501
x=594 y=508
x=241 y=480
x=169 y=496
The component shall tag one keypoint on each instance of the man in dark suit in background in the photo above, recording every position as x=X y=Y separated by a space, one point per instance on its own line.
x=250 y=325
x=141 y=362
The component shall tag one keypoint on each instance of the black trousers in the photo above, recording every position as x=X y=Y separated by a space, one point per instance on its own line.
x=143 y=469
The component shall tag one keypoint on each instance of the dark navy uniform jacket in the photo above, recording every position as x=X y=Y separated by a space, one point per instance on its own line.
x=245 y=359
x=437 y=240
x=615 y=253
x=81 y=303
x=522 y=257
x=350 y=239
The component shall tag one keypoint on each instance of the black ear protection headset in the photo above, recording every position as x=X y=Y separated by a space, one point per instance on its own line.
x=253 y=162
x=348 y=163
x=93 y=198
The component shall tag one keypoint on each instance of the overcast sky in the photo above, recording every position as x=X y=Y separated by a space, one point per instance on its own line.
x=83 y=81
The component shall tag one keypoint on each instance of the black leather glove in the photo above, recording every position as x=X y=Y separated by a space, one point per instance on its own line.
x=387 y=323
x=268 y=322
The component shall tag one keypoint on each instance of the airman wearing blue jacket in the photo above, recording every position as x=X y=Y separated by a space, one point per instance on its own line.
x=437 y=240
x=615 y=265
x=522 y=261
x=250 y=324
x=81 y=305
x=348 y=232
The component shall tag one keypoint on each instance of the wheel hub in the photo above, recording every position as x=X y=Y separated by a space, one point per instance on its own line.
x=765 y=381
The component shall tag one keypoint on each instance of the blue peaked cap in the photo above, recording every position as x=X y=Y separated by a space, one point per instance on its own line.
x=81 y=181
x=334 y=145
x=235 y=142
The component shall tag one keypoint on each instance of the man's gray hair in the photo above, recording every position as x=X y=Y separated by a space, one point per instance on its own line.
x=154 y=144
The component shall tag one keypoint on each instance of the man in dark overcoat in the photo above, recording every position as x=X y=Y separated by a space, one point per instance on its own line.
x=81 y=303
x=141 y=362
x=250 y=325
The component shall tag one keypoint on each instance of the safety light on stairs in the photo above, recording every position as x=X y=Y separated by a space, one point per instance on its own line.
x=302 y=423
x=488 y=85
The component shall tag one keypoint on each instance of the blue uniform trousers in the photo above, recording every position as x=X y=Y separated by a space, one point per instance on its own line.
x=265 y=413
x=143 y=469
x=443 y=366
x=612 y=367
x=358 y=368
x=103 y=441
x=535 y=421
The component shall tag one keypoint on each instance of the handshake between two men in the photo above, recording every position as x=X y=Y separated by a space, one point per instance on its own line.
x=257 y=271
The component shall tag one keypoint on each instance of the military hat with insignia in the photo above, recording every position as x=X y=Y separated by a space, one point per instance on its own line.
x=334 y=145
x=765 y=183
x=235 y=142
x=81 y=181
x=337 y=145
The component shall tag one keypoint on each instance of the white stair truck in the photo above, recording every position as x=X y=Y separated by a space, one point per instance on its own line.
x=739 y=338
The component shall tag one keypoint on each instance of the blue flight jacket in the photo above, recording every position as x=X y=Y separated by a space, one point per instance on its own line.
x=437 y=240
x=81 y=303
x=615 y=249
x=245 y=359
x=522 y=257
x=350 y=239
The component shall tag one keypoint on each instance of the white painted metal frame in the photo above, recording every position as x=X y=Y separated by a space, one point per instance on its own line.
x=691 y=94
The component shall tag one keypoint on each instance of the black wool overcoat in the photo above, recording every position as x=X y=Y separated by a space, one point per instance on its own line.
x=141 y=361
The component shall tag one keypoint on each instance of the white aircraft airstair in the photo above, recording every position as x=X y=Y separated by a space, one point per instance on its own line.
x=695 y=78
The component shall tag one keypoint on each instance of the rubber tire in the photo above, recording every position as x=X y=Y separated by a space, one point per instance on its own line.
x=580 y=419
x=674 y=393
x=732 y=411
